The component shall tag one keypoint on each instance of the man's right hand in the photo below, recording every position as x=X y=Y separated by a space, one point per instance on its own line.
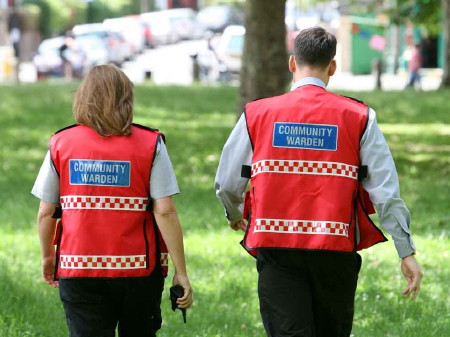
x=239 y=224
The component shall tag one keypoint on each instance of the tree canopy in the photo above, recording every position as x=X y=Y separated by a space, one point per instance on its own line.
x=425 y=13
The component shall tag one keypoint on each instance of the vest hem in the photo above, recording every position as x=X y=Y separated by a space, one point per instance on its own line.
x=303 y=249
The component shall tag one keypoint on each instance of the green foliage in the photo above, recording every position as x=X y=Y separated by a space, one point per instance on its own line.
x=197 y=121
x=425 y=13
x=58 y=16
x=65 y=14
x=44 y=16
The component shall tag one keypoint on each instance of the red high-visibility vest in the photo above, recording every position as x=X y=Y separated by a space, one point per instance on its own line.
x=107 y=228
x=304 y=191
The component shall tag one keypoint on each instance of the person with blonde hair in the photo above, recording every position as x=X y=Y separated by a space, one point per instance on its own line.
x=111 y=182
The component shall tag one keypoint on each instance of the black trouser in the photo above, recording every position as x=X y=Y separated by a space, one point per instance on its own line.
x=94 y=307
x=307 y=293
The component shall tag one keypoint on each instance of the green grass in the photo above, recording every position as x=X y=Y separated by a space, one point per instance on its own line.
x=197 y=121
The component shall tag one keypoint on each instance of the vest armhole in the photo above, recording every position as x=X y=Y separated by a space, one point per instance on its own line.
x=248 y=130
x=367 y=114
x=159 y=138
x=50 y=152
x=56 y=169
x=363 y=131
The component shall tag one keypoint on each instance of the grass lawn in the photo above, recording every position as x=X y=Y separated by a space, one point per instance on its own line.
x=197 y=121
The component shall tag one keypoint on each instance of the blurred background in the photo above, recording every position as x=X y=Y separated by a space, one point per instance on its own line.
x=195 y=63
x=183 y=41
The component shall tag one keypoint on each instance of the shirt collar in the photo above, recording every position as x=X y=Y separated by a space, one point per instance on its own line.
x=308 y=81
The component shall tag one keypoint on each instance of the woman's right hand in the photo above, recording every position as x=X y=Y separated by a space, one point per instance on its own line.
x=186 y=301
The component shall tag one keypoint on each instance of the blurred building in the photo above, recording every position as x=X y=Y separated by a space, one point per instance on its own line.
x=364 y=40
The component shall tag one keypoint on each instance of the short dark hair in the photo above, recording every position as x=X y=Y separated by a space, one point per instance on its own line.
x=314 y=47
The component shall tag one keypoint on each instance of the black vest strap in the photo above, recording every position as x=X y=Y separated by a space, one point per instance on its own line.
x=246 y=171
x=57 y=214
x=363 y=172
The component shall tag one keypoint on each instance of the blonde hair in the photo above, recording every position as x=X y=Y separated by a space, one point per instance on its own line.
x=104 y=101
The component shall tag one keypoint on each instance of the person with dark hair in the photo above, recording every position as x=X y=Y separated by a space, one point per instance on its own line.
x=316 y=161
x=64 y=51
x=111 y=182
x=15 y=30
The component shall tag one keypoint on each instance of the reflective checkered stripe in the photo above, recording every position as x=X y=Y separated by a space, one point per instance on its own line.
x=305 y=167
x=164 y=259
x=103 y=202
x=301 y=227
x=102 y=262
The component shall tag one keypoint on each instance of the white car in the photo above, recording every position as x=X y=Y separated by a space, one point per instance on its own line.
x=131 y=30
x=48 y=59
x=185 y=23
x=162 y=28
x=221 y=56
x=118 y=49
x=229 y=51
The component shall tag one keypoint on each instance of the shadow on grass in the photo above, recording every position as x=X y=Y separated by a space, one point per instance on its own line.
x=407 y=106
x=225 y=292
x=28 y=308
x=378 y=309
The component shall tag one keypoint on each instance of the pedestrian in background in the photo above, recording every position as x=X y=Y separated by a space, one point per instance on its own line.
x=113 y=181
x=414 y=65
x=64 y=53
x=313 y=159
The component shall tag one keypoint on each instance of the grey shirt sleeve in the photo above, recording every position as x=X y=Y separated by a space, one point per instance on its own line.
x=383 y=187
x=163 y=182
x=229 y=184
x=46 y=186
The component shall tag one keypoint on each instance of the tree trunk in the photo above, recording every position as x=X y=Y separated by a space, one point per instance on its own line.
x=264 y=70
x=446 y=76
x=145 y=6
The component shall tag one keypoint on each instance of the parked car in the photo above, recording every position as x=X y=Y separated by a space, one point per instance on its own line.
x=131 y=30
x=48 y=59
x=118 y=49
x=94 y=49
x=162 y=28
x=148 y=37
x=221 y=59
x=185 y=23
x=217 y=18
x=229 y=52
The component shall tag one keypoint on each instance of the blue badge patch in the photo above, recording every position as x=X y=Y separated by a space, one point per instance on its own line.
x=305 y=136
x=99 y=172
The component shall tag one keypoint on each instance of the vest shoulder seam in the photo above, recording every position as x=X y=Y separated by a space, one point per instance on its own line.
x=354 y=99
x=65 y=128
x=144 y=127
